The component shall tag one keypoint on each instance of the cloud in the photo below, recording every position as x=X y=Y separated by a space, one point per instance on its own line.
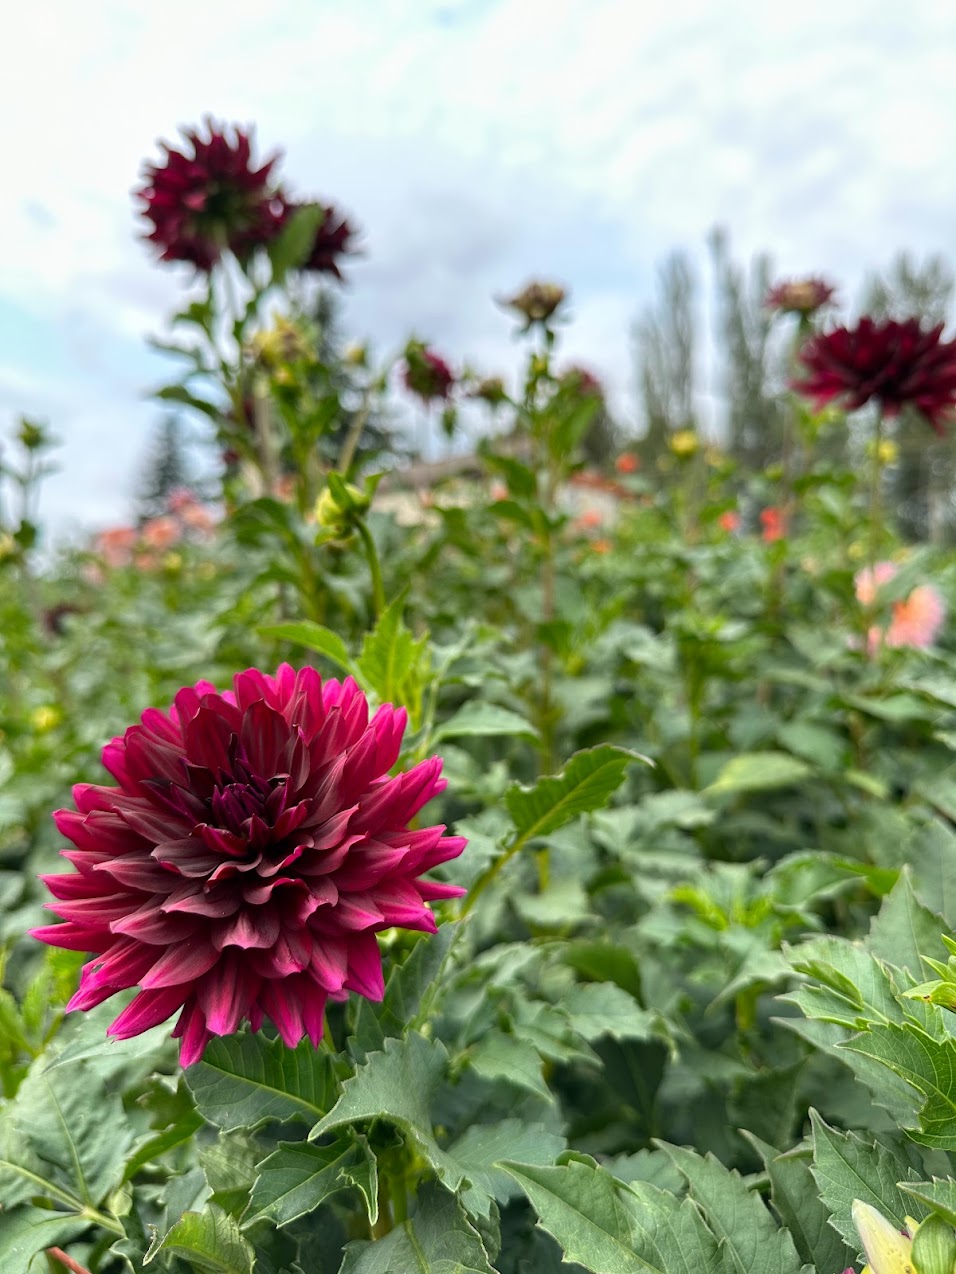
x=479 y=143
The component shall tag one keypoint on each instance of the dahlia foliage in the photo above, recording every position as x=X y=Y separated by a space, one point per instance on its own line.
x=896 y=364
x=250 y=851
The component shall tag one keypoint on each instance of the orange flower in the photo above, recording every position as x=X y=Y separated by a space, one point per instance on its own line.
x=774 y=523
x=729 y=521
x=589 y=520
x=601 y=546
x=115 y=545
x=160 y=533
x=627 y=462
x=917 y=620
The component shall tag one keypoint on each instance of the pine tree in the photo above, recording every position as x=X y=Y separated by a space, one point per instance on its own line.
x=166 y=469
x=664 y=349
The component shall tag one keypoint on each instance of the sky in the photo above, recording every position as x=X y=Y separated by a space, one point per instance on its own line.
x=478 y=144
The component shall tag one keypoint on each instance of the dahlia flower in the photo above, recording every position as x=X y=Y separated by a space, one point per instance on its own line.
x=799 y=296
x=333 y=239
x=774 y=523
x=729 y=521
x=425 y=373
x=898 y=364
x=250 y=851
x=536 y=302
x=210 y=199
x=915 y=621
x=627 y=462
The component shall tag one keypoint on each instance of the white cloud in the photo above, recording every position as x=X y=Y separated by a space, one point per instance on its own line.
x=479 y=142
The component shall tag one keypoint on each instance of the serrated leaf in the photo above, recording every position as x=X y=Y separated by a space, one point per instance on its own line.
x=847 y=1167
x=504 y=1057
x=601 y=1008
x=585 y=784
x=477 y=718
x=939 y=1196
x=408 y=991
x=398 y=1084
x=928 y=1065
x=245 y=1080
x=797 y=1202
x=736 y=1215
x=438 y=1239
x=904 y=930
x=611 y=1228
x=392 y=662
x=313 y=637
x=25 y=1232
x=297 y=1177
x=482 y=1146
x=210 y=1240
x=758 y=772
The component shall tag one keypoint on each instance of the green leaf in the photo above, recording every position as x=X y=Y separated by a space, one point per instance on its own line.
x=758 y=772
x=25 y=1232
x=585 y=784
x=393 y=662
x=905 y=930
x=66 y=1127
x=818 y=744
x=928 y=1065
x=601 y=1008
x=931 y=854
x=482 y=1146
x=398 y=1084
x=798 y=1204
x=478 y=718
x=245 y=1080
x=501 y=1057
x=210 y=1240
x=408 y=991
x=847 y=1167
x=736 y=1215
x=295 y=1179
x=939 y=1196
x=611 y=1228
x=438 y=1239
x=313 y=637
x=291 y=248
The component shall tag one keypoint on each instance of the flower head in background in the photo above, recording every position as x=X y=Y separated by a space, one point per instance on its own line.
x=334 y=239
x=210 y=198
x=729 y=521
x=896 y=364
x=799 y=296
x=915 y=621
x=250 y=851
x=426 y=374
x=585 y=382
x=537 y=302
x=684 y=443
x=627 y=462
x=774 y=524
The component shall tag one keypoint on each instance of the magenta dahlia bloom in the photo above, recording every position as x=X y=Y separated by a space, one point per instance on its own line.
x=898 y=364
x=211 y=199
x=333 y=240
x=425 y=373
x=246 y=859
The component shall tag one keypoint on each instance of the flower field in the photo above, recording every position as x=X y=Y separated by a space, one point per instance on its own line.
x=542 y=858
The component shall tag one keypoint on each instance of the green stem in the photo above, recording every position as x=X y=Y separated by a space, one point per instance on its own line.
x=359 y=420
x=489 y=875
x=875 y=513
x=375 y=569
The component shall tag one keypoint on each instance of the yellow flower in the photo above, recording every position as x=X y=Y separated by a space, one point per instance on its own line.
x=45 y=718
x=856 y=550
x=887 y=1250
x=887 y=451
x=684 y=442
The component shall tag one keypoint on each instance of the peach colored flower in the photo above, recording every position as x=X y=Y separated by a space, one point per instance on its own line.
x=917 y=620
x=115 y=545
x=160 y=533
x=197 y=517
x=499 y=491
x=729 y=521
x=601 y=546
x=627 y=462
x=868 y=582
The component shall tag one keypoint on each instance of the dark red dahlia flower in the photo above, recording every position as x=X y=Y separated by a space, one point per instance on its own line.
x=251 y=851
x=898 y=364
x=799 y=296
x=211 y=200
x=425 y=373
x=333 y=240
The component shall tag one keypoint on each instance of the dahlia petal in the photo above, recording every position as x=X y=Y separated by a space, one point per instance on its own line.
x=330 y=961
x=365 y=966
x=72 y=885
x=191 y=1029
x=187 y=857
x=74 y=937
x=192 y=899
x=96 y=831
x=264 y=735
x=283 y=1007
x=357 y=911
x=226 y=994
x=183 y=962
x=249 y=927
x=431 y=890
x=207 y=738
x=151 y=925
x=148 y=1009
x=135 y=873
x=313 y=1001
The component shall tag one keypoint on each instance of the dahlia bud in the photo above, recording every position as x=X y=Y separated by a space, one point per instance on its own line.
x=32 y=435
x=685 y=443
x=536 y=302
x=340 y=505
x=491 y=390
x=355 y=355
x=45 y=718
x=799 y=296
x=934 y=1247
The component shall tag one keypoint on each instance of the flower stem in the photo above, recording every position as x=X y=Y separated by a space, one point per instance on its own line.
x=59 y=1255
x=875 y=512
x=375 y=569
